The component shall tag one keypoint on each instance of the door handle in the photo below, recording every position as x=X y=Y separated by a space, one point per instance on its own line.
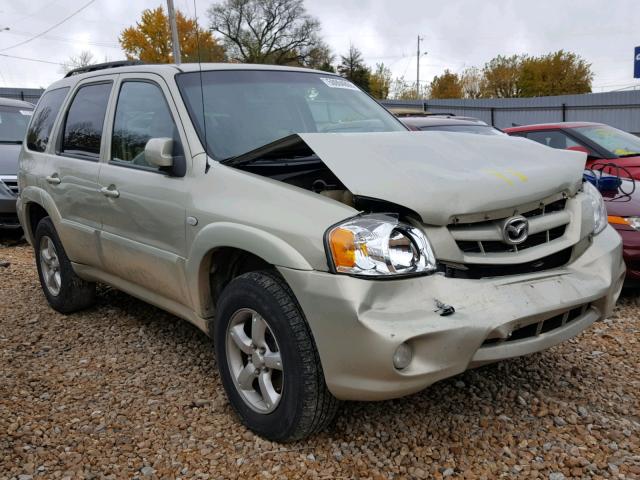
x=53 y=179
x=110 y=191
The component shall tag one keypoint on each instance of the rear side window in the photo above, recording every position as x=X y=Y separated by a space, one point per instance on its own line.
x=43 y=119
x=85 y=120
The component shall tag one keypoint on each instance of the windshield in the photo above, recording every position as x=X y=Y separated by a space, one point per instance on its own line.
x=619 y=143
x=13 y=123
x=244 y=109
x=479 y=129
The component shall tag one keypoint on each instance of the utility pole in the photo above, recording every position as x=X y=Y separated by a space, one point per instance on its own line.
x=175 y=41
x=418 y=68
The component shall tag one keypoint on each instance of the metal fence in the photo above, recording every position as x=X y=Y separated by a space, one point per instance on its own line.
x=619 y=109
x=25 y=94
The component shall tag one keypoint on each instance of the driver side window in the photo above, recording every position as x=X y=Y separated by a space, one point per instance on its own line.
x=141 y=113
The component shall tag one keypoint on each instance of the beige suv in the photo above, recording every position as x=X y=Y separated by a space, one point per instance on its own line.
x=330 y=253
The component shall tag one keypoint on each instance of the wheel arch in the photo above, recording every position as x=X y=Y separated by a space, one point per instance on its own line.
x=222 y=251
x=36 y=204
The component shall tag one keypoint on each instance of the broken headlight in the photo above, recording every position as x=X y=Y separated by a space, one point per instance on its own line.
x=379 y=245
x=597 y=204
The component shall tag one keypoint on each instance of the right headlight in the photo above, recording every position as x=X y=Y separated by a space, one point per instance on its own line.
x=597 y=204
x=379 y=245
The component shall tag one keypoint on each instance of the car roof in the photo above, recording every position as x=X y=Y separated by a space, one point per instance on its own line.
x=172 y=69
x=436 y=121
x=10 y=102
x=549 y=126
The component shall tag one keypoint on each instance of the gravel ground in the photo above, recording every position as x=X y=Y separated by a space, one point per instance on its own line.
x=125 y=390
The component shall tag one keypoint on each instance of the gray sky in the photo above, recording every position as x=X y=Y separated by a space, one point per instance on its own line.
x=457 y=33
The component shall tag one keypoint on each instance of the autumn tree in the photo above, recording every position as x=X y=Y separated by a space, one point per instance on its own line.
x=471 y=81
x=401 y=89
x=352 y=66
x=278 y=32
x=150 y=40
x=501 y=77
x=556 y=73
x=447 y=85
x=83 y=59
x=380 y=82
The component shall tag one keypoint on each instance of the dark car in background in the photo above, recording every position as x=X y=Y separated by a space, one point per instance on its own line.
x=448 y=123
x=602 y=143
x=14 y=119
x=623 y=203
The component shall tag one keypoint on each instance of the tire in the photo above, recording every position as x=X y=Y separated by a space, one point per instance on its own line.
x=72 y=293
x=299 y=403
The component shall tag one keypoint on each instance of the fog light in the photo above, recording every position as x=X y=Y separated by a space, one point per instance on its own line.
x=402 y=357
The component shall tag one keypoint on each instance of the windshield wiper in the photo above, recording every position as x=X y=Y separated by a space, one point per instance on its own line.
x=626 y=155
x=11 y=142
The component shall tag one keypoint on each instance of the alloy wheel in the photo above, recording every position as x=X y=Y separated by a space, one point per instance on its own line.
x=50 y=265
x=254 y=359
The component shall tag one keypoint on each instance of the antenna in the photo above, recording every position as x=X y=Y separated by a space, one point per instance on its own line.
x=204 y=118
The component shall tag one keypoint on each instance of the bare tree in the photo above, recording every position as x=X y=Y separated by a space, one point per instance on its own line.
x=265 y=31
x=83 y=59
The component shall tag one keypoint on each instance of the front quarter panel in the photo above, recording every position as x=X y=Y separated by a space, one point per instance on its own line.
x=282 y=224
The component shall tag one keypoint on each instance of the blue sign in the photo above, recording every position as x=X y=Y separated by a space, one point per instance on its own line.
x=636 y=63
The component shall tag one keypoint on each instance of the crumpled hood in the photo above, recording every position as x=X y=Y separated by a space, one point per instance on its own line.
x=443 y=174
x=9 y=154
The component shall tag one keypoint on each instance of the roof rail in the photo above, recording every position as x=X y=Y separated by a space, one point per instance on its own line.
x=102 y=66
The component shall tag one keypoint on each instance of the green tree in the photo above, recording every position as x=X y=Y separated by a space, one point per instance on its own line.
x=380 y=82
x=556 y=73
x=321 y=58
x=447 y=85
x=150 y=40
x=352 y=66
x=266 y=31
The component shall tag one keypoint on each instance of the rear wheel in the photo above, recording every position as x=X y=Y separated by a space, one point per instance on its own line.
x=268 y=361
x=64 y=290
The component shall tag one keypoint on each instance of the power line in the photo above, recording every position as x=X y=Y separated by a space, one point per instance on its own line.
x=50 y=28
x=57 y=38
x=31 y=59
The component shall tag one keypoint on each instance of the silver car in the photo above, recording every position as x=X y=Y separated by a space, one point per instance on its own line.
x=14 y=118
x=330 y=253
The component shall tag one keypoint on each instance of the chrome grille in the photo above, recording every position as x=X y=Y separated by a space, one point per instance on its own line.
x=547 y=223
x=11 y=181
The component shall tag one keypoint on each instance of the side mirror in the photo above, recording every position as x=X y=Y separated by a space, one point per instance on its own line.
x=579 y=148
x=158 y=152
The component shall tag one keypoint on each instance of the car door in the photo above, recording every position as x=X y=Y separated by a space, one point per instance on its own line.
x=70 y=173
x=144 y=224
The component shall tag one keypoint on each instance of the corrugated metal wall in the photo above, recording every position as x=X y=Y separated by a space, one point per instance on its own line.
x=619 y=109
x=26 y=94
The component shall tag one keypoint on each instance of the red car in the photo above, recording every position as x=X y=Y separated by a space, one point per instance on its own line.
x=623 y=204
x=602 y=143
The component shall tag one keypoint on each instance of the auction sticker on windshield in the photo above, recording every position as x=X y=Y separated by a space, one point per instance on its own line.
x=338 y=83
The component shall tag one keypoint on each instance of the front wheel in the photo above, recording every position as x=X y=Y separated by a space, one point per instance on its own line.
x=268 y=360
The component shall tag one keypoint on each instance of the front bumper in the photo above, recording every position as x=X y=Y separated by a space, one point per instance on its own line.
x=358 y=324
x=8 y=215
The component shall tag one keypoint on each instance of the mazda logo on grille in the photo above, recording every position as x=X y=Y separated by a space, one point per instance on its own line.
x=515 y=230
